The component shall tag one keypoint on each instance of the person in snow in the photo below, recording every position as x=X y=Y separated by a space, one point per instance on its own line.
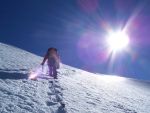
x=53 y=61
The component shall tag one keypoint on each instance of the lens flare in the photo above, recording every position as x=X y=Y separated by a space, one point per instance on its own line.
x=33 y=75
x=117 y=41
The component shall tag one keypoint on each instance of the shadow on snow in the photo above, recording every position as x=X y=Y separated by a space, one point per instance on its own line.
x=12 y=75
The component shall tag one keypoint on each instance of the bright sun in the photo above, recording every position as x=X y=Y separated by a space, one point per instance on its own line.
x=117 y=41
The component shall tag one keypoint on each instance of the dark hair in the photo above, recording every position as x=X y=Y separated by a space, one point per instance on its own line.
x=49 y=49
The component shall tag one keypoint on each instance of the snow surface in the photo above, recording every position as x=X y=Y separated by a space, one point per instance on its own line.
x=81 y=91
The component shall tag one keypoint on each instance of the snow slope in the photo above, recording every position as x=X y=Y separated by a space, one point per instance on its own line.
x=81 y=91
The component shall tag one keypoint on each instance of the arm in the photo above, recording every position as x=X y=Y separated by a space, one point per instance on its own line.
x=45 y=58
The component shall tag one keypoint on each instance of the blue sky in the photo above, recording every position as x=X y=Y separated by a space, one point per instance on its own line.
x=35 y=25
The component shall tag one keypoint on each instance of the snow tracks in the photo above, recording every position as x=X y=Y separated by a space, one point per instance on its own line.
x=56 y=96
x=28 y=96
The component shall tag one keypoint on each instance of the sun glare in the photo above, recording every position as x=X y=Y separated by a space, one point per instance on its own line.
x=117 y=41
x=32 y=75
x=112 y=78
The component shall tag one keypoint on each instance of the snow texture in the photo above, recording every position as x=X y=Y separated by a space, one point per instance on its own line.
x=80 y=91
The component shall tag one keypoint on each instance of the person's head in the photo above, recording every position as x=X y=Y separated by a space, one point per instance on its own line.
x=52 y=50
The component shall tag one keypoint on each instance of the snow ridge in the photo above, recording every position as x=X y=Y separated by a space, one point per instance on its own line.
x=81 y=91
x=15 y=60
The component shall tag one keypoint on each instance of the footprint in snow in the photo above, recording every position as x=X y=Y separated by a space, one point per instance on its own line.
x=49 y=103
x=61 y=109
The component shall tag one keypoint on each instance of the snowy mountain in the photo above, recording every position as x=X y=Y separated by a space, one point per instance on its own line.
x=81 y=91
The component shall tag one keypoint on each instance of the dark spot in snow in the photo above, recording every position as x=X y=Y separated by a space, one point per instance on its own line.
x=92 y=103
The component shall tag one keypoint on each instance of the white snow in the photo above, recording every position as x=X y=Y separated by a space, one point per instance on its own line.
x=81 y=91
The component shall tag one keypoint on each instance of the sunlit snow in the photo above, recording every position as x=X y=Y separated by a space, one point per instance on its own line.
x=81 y=91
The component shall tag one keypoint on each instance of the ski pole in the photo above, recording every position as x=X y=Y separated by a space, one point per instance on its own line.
x=42 y=68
